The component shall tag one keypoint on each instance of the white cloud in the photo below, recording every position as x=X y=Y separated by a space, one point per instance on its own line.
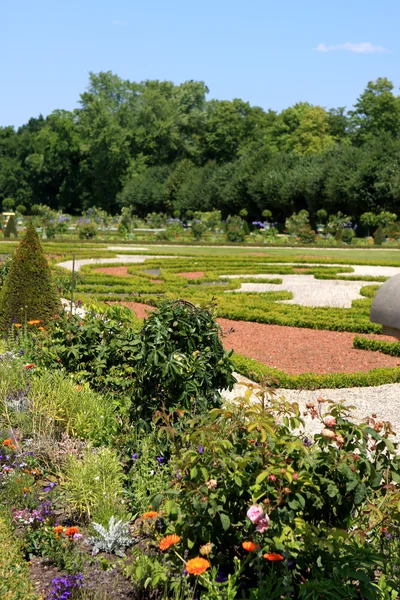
x=361 y=48
x=119 y=23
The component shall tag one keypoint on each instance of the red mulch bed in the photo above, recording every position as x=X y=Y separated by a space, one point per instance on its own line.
x=191 y=274
x=121 y=271
x=294 y=349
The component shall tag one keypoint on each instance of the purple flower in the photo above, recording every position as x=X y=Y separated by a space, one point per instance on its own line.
x=201 y=450
x=221 y=577
x=307 y=442
x=135 y=456
x=255 y=513
x=160 y=460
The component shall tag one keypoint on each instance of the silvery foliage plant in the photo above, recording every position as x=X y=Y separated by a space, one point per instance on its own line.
x=112 y=540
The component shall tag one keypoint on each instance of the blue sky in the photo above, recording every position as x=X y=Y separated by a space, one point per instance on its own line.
x=270 y=53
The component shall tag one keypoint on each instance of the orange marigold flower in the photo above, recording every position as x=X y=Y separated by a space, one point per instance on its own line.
x=168 y=541
x=273 y=556
x=197 y=566
x=18 y=325
x=58 y=529
x=151 y=514
x=71 y=531
x=34 y=322
x=78 y=388
x=250 y=546
x=40 y=328
x=26 y=490
x=7 y=442
x=35 y=472
x=13 y=447
x=29 y=366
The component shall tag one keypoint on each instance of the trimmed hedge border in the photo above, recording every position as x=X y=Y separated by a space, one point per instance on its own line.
x=391 y=348
x=15 y=583
x=256 y=371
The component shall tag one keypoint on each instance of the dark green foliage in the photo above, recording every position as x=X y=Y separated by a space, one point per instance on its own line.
x=11 y=228
x=181 y=361
x=379 y=236
x=235 y=230
x=100 y=348
x=29 y=292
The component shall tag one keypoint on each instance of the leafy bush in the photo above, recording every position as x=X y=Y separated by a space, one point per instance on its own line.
x=181 y=361
x=198 y=228
x=251 y=490
x=28 y=292
x=99 y=349
x=87 y=230
x=235 y=230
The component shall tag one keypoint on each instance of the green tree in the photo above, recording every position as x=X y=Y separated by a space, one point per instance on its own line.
x=28 y=292
x=376 y=111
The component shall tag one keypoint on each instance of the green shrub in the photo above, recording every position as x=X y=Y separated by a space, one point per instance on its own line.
x=99 y=349
x=11 y=228
x=235 y=231
x=181 y=361
x=28 y=292
x=15 y=582
x=257 y=372
x=379 y=236
x=312 y=500
x=87 y=231
x=391 y=348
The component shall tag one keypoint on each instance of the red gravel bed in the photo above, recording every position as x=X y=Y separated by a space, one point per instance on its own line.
x=294 y=349
x=121 y=271
x=191 y=274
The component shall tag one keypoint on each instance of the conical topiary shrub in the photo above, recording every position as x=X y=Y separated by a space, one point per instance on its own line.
x=11 y=228
x=28 y=292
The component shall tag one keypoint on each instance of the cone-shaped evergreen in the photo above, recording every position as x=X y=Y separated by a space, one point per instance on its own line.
x=29 y=292
x=11 y=228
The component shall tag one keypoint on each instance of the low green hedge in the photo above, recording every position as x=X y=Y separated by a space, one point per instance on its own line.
x=257 y=371
x=391 y=348
x=15 y=583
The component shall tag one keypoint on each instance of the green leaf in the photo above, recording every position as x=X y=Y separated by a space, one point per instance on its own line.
x=225 y=521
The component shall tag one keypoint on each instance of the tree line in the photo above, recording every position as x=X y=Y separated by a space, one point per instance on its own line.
x=159 y=147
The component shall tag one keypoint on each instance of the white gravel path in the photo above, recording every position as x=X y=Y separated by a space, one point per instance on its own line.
x=119 y=258
x=308 y=291
x=382 y=400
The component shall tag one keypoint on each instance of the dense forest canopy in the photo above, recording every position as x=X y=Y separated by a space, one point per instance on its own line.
x=156 y=146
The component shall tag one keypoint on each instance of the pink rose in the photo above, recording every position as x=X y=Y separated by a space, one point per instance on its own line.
x=330 y=421
x=255 y=513
x=263 y=524
x=272 y=477
x=328 y=434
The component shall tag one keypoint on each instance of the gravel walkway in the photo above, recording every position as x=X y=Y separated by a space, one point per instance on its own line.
x=383 y=401
x=119 y=258
x=308 y=291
